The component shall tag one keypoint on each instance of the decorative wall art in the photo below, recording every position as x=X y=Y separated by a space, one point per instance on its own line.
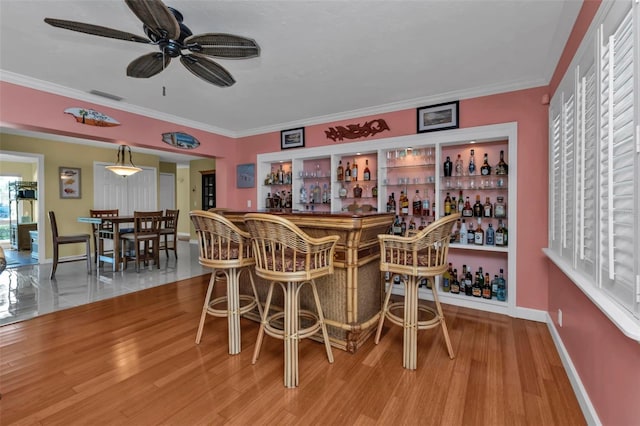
x=292 y=138
x=356 y=131
x=69 y=182
x=180 y=140
x=91 y=117
x=438 y=117
x=246 y=176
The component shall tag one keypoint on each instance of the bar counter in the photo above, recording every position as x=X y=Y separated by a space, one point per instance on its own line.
x=352 y=296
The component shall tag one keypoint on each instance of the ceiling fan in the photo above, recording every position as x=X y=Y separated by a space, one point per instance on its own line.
x=164 y=28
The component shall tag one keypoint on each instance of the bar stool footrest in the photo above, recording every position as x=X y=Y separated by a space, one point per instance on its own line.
x=303 y=333
x=422 y=325
x=247 y=304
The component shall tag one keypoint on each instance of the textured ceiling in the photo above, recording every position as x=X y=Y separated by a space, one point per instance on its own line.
x=320 y=59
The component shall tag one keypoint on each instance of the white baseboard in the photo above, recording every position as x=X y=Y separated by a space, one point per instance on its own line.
x=588 y=410
x=531 y=314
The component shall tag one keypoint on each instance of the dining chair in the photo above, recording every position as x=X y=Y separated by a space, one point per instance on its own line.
x=59 y=240
x=170 y=229
x=101 y=232
x=287 y=256
x=145 y=238
x=227 y=250
x=412 y=258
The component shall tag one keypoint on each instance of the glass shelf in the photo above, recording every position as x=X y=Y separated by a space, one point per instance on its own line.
x=498 y=249
x=490 y=183
x=408 y=166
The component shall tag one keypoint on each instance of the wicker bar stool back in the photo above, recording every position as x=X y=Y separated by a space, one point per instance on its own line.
x=227 y=251
x=286 y=255
x=423 y=255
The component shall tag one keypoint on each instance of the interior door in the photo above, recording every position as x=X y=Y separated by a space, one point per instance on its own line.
x=136 y=192
x=167 y=191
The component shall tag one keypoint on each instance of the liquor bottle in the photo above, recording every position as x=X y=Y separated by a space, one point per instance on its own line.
x=486 y=288
x=476 y=289
x=280 y=175
x=389 y=205
x=393 y=202
x=289 y=200
x=426 y=206
x=472 y=163
x=347 y=173
x=448 y=167
x=463 y=233
x=455 y=233
x=446 y=279
x=404 y=204
x=488 y=208
x=412 y=224
x=325 y=194
x=454 y=205
x=403 y=227
x=502 y=288
x=467 y=210
x=340 y=171
x=357 y=191
x=478 y=235
x=490 y=236
x=471 y=235
x=374 y=191
x=494 y=286
x=460 y=203
x=303 y=195
x=501 y=235
x=354 y=170
x=502 y=168
x=500 y=208
x=485 y=169
x=459 y=166
x=468 y=283
x=366 y=175
x=463 y=279
x=447 y=205
x=478 y=207
x=417 y=204
x=455 y=284
x=423 y=223
x=343 y=191
x=397 y=226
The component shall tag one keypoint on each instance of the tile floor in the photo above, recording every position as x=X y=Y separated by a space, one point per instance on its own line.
x=27 y=291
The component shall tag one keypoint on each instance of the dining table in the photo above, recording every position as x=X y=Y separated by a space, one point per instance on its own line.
x=118 y=228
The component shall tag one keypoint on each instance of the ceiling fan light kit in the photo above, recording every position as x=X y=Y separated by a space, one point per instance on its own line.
x=164 y=28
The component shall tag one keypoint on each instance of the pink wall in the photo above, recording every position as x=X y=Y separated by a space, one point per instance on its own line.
x=604 y=358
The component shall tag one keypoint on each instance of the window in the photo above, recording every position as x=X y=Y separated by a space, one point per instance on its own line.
x=594 y=161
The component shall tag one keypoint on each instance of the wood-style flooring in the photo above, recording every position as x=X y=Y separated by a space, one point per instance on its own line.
x=132 y=360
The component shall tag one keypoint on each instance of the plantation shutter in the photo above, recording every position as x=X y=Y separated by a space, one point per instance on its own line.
x=568 y=176
x=619 y=158
x=555 y=179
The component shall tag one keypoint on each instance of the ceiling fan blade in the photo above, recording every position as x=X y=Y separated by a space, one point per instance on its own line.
x=148 y=65
x=156 y=16
x=207 y=70
x=95 y=30
x=220 y=45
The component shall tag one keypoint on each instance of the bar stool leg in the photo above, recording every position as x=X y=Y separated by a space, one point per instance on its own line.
x=203 y=316
x=442 y=323
x=325 y=335
x=291 y=339
x=410 y=349
x=263 y=321
x=383 y=314
x=233 y=311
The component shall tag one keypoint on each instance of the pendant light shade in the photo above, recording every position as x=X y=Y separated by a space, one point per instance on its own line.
x=122 y=169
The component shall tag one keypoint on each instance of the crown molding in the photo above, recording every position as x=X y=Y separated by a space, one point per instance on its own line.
x=398 y=106
x=45 y=86
x=21 y=80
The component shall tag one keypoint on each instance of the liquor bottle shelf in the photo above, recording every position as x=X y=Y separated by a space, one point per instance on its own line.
x=483 y=247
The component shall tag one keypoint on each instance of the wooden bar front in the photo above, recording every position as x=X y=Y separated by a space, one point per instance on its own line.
x=351 y=297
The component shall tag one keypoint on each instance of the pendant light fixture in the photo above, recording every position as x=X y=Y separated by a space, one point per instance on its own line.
x=122 y=169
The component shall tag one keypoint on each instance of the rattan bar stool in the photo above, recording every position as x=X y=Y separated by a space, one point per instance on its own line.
x=423 y=255
x=286 y=255
x=227 y=250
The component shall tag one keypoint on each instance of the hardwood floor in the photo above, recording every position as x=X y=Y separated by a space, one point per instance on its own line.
x=132 y=360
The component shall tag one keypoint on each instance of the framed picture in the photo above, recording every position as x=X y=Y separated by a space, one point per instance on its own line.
x=292 y=138
x=246 y=176
x=70 y=182
x=438 y=117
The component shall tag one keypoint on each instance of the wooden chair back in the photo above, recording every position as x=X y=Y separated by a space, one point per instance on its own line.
x=147 y=223
x=423 y=254
x=284 y=252
x=221 y=243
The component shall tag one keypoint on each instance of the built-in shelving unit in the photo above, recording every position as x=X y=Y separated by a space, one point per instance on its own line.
x=406 y=164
